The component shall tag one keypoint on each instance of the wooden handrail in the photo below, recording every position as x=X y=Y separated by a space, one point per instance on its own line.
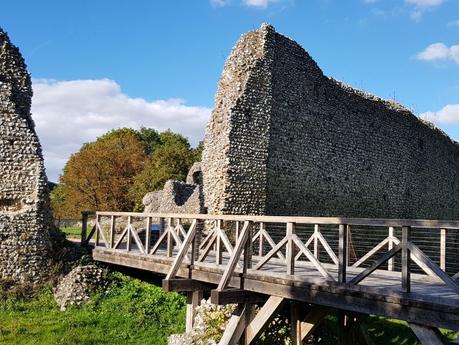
x=175 y=241
x=414 y=223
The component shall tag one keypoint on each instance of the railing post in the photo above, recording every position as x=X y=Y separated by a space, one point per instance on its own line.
x=237 y=230
x=248 y=247
x=348 y=245
x=290 y=249
x=84 y=226
x=342 y=253
x=128 y=234
x=260 y=246
x=148 y=236
x=197 y=240
x=177 y=227
x=112 y=232
x=161 y=226
x=218 y=250
x=406 y=261
x=194 y=247
x=169 y=238
x=316 y=241
x=247 y=254
x=97 y=230
x=443 y=249
x=390 y=245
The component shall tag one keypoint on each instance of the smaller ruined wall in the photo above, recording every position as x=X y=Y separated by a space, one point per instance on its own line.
x=177 y=196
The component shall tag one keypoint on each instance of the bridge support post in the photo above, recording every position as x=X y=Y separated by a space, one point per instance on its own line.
x=351 y=330
x=427 y=335
x=295 y=320
x=193 y=300
x=235 y=330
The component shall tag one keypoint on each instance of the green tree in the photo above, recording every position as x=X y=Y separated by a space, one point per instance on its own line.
x=119 y=168
x=57 y=197
x=170 y=138
x=151 y=139
x=99 y=176
x=197 y=152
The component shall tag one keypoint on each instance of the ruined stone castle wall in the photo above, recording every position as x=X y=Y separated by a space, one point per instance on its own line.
x=175 y=197
x=178 y=196
x=239 y=128
x=25 y=218
x=296 y=142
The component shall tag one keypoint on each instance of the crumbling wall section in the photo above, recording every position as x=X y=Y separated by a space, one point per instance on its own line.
x=178 y=196
x=237 y=136
x=25 y=218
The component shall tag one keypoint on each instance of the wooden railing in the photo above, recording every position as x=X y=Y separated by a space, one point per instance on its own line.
x=242 y=244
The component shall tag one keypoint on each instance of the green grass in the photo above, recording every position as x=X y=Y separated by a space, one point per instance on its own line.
x=132 y=312
x=72 y=231
x=382 y=331
x=391 y=331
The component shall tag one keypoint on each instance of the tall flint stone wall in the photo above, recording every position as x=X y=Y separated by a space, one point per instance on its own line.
x=286 y=140
x=235 y=156
x=25 y=219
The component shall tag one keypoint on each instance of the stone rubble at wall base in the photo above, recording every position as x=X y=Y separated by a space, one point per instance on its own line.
x=77 y=286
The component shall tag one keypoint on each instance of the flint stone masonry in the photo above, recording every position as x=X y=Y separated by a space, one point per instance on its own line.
x=177 y=196
x=25 y=218
x=194 y=175
x=77 y=286
x=284 y=139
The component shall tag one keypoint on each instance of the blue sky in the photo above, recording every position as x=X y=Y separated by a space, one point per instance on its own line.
x=103 y=64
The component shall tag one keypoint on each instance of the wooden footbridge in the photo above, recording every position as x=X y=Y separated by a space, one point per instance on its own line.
x=402 y=269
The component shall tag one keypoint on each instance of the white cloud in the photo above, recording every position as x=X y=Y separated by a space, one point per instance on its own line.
x=219 y=3
x=249 y=3
x=436 y=51
x=422 y=5
x=70 y=113
x=449 y=114
x=439 y=51
x=454 y=23
x=257 y=3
